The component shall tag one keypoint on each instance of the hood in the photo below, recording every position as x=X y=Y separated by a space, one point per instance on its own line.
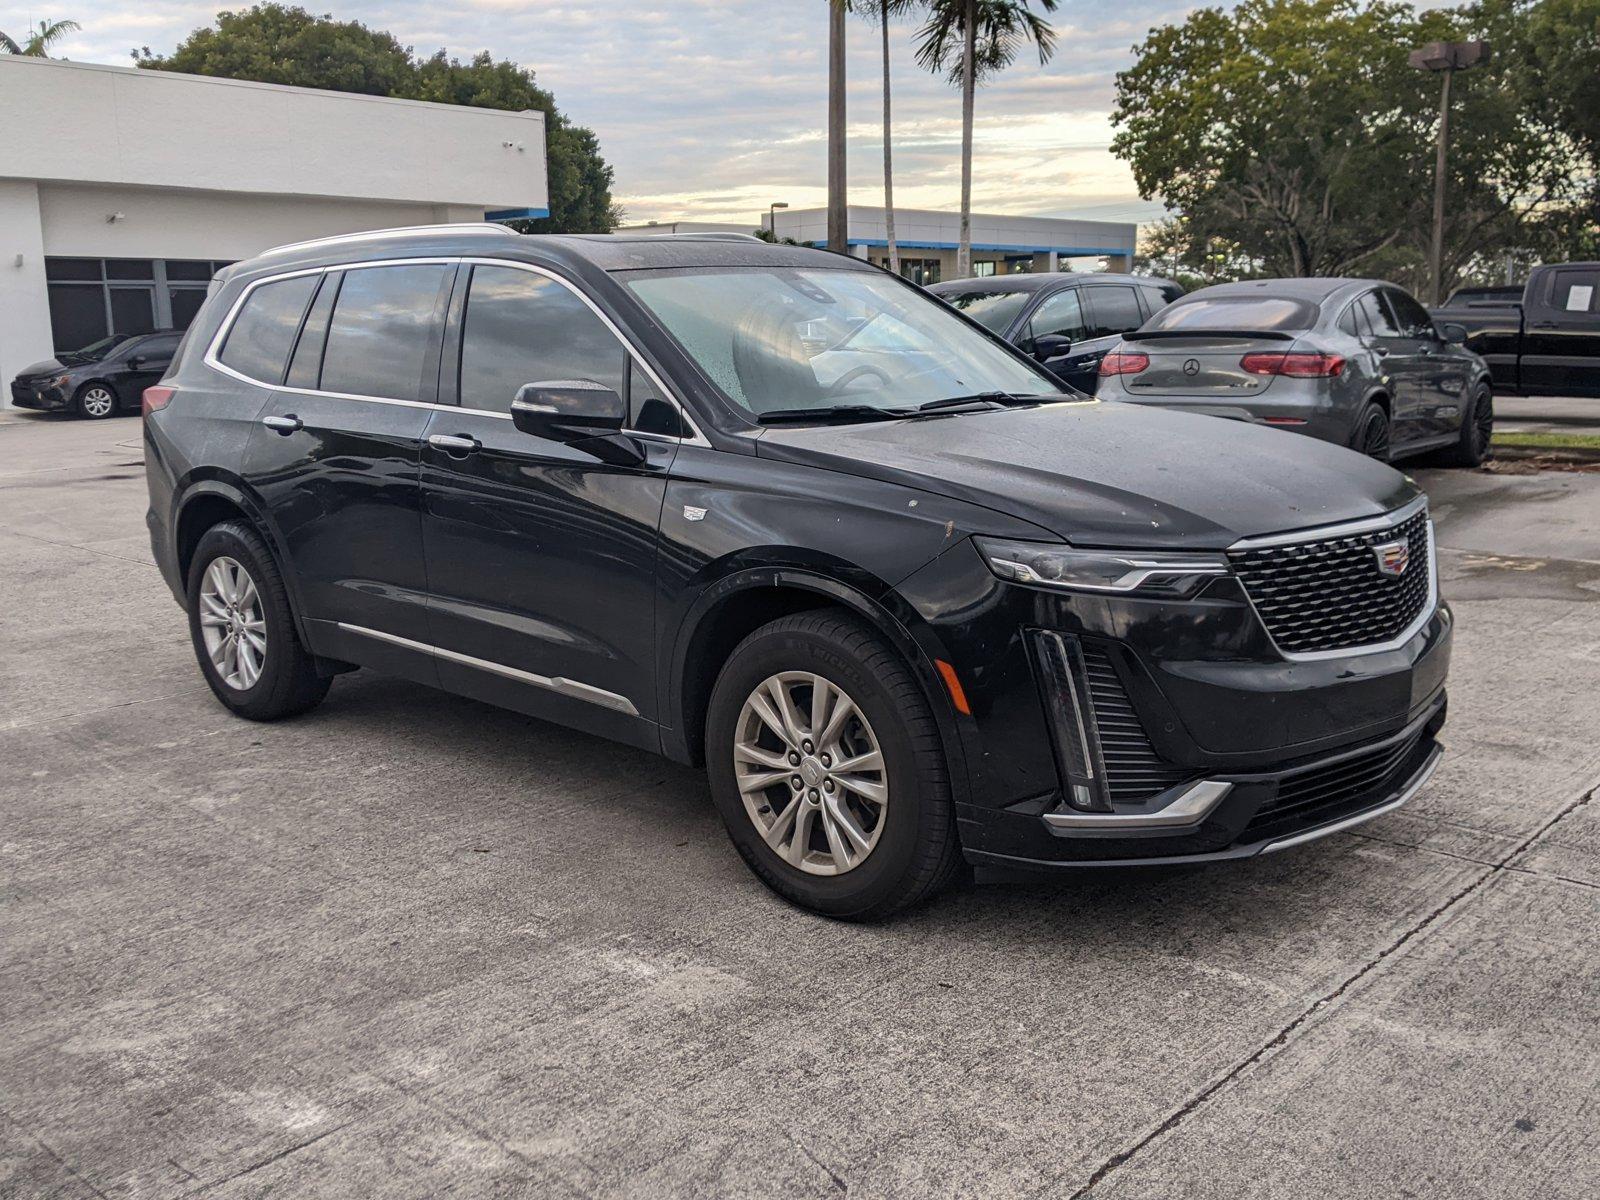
x=46 y=366
x=1109 y=474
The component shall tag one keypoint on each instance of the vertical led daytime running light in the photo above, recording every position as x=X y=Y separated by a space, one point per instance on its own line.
x=1071 y=715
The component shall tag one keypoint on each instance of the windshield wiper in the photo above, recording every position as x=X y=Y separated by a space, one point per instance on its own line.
x=1005 y=398
x=845 y=412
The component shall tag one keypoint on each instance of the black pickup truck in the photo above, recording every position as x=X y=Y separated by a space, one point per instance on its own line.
x=1547 y=343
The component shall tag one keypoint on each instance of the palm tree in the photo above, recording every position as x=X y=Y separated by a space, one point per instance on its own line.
x=883 y=10
x=39 y=40
x=838 y=215
x=972 y=40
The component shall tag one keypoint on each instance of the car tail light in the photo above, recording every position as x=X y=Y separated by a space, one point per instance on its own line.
x=1124 y=362
x=1063 y=680
x=1298 y=364
x=155 y=399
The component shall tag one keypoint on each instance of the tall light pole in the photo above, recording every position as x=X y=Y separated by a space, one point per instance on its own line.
x=838 y=218
x=772 y=217
x=1446 y=58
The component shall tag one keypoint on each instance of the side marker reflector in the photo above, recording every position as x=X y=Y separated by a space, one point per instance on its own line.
x=953 y=686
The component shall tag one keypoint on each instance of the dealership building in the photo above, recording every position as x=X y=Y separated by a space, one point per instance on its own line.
x=123 y=190
x=927 y=240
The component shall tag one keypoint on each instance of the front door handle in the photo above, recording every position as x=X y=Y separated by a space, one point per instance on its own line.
x=454 y=444
x=285 y=425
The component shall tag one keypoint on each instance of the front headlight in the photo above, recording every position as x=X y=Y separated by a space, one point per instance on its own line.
x=1147 y=572
x=60 y=381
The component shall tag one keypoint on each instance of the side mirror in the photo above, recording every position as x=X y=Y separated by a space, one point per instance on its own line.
x=567 y=410
x=1454 y=333
x=1051 y=345
x=135 y=362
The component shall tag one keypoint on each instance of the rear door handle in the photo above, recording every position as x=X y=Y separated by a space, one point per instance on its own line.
x=454 y=444
x=285 y=425
x=1546 y=325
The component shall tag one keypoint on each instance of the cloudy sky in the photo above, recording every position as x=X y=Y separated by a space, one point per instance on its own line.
x=712 y=109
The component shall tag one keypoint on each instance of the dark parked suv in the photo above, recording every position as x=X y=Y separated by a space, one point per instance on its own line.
x=775 y=511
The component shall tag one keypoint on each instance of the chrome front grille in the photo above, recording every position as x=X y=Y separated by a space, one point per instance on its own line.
x=1329 y=593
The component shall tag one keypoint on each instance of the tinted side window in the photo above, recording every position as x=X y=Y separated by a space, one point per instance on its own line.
x=306 y=364
x=1412 y=318
x=1113 y=310
x=1576 y=291
x=1349 y=323
x=523 y=328
x=1376 y=317
x=157 y=349
x=382 y=330
x=1060 y=314
x=258 y=343
x=1154 y=301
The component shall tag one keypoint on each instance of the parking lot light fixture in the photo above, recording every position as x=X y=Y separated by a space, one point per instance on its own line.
x=1446 y=58
x=772 y=217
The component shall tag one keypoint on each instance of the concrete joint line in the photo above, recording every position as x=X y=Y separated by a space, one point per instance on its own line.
x=1317 y=1007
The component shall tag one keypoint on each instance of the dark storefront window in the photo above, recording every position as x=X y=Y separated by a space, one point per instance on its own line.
x=93 y=297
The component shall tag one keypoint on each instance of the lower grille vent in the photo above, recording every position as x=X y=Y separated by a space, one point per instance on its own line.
x=1134 y=771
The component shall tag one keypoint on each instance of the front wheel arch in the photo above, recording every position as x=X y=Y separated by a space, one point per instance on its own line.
x=737 y=603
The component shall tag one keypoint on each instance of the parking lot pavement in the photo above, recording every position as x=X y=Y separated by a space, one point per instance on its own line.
x=410 y=945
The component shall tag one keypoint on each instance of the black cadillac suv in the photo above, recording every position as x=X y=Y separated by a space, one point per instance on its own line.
x=771 y=510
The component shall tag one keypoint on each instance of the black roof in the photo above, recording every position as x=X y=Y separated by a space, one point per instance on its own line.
x=607 y=252
x=1037 y=281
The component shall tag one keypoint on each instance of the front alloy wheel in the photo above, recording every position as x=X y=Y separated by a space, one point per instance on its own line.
x=96 y=402
x=811 y=773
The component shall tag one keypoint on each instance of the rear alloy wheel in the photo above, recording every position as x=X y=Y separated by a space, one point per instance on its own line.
x=1477 y=430
x=243 y=631
x=1372 y=432
x=828 y=769
x=95 y=402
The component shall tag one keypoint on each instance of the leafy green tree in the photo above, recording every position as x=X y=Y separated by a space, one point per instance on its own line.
x=972 y=40
x=1298 y=129
x=38 y=42
x=276 y=43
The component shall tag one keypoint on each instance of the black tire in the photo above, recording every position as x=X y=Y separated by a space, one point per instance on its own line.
x=1372 y=433
x=288 y=683
x=1477 y=429
x=90 y=401
x=917 y=851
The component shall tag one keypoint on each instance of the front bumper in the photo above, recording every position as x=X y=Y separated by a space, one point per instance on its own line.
x=38 y=396
x=1227 y=732
x=1228 y=816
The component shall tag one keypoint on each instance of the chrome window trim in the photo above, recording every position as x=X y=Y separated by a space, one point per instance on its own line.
x=1347 y=529
x=213 y=353
x=567 y=687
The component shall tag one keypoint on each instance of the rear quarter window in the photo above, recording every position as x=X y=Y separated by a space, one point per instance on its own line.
x=258 y=341
x=1235 y=312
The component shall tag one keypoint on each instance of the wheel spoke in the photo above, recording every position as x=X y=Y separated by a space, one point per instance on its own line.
x=836 y=843
x=247 y=591
x=866 y=789
x=846 y=821
x=760 y=781
x=869 y=761
x=761 y=704
x=256 y=642
x=751 y=753
x=778 y=692
x=822 y=694
x=799 y=844
x=781 y=825
x=211 y=619
x=843 y=710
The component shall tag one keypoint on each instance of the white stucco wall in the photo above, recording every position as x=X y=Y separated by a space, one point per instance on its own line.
x=24 y=315
x=117 y=125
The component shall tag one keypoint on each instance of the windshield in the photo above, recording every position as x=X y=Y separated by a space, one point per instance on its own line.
x=95 y=351
x=783 y=339
x=1234 y=312
x=993 y=310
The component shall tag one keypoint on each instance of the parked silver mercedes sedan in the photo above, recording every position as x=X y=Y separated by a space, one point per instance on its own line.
x=1353 y=361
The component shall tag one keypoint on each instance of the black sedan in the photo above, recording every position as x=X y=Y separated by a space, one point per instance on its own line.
x=100 y=380
x=1067 y=321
